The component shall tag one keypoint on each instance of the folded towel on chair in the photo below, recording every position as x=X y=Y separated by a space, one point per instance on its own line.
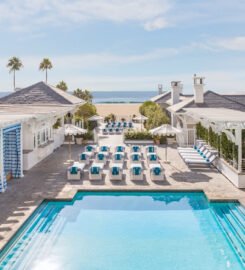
x=156 y=170
x=115 y=171
x=73 y=170
x=83 y=156
x=95 y=170
x=136 y=170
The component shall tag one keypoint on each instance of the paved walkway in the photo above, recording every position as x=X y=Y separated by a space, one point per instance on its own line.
x=47 y=180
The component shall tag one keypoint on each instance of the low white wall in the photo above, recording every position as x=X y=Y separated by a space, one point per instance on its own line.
x=237 y=179
x=139 y=141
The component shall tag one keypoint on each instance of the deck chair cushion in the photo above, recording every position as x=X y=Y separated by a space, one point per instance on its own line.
x=95 y=170
x=157 y=170
x=136 y=170
x=73 y=170
x=115 y=171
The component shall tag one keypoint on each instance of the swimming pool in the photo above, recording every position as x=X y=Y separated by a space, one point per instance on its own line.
x=129 y=230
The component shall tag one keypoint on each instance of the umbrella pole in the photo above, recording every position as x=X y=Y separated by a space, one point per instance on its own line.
x=70 y=148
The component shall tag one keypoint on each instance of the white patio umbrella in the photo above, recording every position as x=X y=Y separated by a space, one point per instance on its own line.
x=95 y=118
x=166 y=130
x=71 y=130
x=140 y=118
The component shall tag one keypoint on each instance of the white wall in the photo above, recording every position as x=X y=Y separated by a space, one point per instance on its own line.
x=237 y=179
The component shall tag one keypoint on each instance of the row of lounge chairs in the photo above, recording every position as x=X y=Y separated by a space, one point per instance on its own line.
x=102 y=156
x=119 y=125
x=198 y=154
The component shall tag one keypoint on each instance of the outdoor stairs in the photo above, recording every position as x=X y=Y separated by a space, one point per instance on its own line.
x=231 y=219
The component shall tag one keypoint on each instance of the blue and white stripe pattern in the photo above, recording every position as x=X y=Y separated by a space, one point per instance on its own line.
x=11 y=153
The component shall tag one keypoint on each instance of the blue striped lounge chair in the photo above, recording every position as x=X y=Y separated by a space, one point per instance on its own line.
x=105 y=131
x=105 y=149
x=130 y=125
x=95 y=172
x=136 y=172
x=101 y=158
x=73 y=173
x=119 y=149
x=118 y=157
x=156 y=172
x=135 y=149
x=152 y=158
x=116 y=171
x=135 y=158
x=150 y=149
x=84 y=158
x=125 y=124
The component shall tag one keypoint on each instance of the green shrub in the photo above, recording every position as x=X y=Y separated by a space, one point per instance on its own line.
x=138 y=135
x=88 y=136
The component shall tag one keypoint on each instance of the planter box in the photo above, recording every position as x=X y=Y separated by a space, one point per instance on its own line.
x=79 y=141
x=138 y=141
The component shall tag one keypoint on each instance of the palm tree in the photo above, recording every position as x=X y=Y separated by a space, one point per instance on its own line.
x=62 y=85
x=83 y=94
x=45 y=65
x=14 y=64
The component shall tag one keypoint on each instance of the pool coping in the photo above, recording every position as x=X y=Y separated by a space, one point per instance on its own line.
x=70 y=198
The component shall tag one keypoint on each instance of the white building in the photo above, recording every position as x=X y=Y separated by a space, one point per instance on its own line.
x=31 y=127
x=224 y=114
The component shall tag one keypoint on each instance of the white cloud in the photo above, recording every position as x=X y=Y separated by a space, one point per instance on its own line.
x=233 y=44
x=158 y=23
x=31 y=13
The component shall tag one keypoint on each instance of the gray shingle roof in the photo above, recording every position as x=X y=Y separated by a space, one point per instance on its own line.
x=214 y=100
x=40 y=93
x=237 y=98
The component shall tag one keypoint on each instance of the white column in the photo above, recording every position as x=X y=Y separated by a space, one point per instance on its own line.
x=21 y=150
x=1 y=159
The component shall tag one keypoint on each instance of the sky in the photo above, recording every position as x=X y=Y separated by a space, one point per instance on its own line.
x=129 y=45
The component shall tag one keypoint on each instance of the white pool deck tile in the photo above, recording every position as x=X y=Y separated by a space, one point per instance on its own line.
x=48 y=180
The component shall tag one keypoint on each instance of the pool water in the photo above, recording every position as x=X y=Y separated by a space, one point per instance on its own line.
x=130 y=231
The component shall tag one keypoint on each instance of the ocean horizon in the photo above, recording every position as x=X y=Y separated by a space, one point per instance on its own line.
x=115 y=96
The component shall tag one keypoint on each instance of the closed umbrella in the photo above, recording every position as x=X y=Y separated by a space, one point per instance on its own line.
x=166 y=130
x=71 y=130
x=140 y=118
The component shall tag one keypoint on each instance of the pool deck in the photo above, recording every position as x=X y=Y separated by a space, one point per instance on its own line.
x=48 y=180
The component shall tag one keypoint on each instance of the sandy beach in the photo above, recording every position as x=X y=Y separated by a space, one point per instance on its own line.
x=121 y=110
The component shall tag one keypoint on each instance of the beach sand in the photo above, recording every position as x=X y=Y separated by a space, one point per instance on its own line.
x=121 y=110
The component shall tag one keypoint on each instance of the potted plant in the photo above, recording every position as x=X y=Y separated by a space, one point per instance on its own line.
x=79 y=139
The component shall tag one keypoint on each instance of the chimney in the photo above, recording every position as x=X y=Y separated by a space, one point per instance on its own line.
x=176 y=91
x=198 y=89
x=160 y=89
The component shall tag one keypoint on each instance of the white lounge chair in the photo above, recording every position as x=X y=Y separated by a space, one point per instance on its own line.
x=152 y=158
x=116 y=171
x=193 y=150
x=119 y=149
x=96 y=171
x=150 y=149
x=198 y=157
x=84 y=158
x=196 y=154
x=74 y=172
x=208 y=161
x=135 y=149
x=156 y=172
x=105 y=149
x=136 y=172
x=101 y=157
x=118 y=157
x=136 y=157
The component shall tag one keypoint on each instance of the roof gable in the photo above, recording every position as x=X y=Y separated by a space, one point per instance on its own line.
x=40 y=93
